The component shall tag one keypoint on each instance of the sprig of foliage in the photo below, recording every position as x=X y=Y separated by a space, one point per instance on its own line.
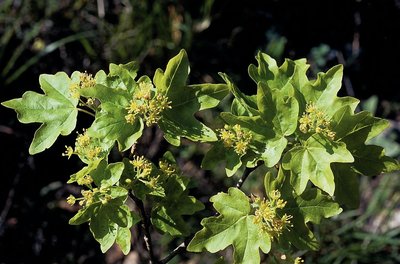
x=310 y=142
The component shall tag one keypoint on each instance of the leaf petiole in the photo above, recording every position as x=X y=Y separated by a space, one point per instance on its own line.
x=85 y=111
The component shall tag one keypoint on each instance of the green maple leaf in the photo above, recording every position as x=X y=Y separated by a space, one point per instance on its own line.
x=234 y=226
x=268 y=72
x=110 y=222
x=186 y=100
x=278 y=107
x=125 y=73
x=56 y=110
x=311 y=161
x=84 y=171
x=310 y=206
x=110 y=124
x=323 y=92
x=120 y=76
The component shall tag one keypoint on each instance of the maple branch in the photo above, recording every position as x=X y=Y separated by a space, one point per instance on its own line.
x=146 y=228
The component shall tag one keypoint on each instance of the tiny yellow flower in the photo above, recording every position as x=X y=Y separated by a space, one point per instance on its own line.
x=138 y=162
x=87 y=197
x=93 y=153
x=85 y=81
x=130 y=118
x=298 y=260
x=142 y=166
x=69 y=151
x=167 y=168
x=71 y=199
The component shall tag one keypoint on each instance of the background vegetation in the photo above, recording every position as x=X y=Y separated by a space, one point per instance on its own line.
x=47 y=36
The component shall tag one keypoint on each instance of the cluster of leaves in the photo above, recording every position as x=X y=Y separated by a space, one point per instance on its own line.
x=309 y=143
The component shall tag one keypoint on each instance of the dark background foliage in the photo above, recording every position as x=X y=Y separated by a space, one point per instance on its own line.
x=47 y=36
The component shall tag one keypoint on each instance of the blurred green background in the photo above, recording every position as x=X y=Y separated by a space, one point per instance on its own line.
x=47 y=36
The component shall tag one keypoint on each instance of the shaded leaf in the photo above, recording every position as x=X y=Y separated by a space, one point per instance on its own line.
x=167 y=213
x=347 y=191
x=107 y=174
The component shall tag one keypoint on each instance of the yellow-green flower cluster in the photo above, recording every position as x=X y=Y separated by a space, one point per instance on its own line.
x=267 y=217
x=314 y=120
x=84 y=180
x=142 y=166
x=235 y=137
x=167 y=168
x=91 y=196
x=144 y=169
x=85 y=81
x=84 y=147
x=147 y=106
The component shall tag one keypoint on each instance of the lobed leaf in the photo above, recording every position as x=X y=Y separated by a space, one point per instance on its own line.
x=186 y=100
x=312 y=160
x=234 y=226
x=56 y=110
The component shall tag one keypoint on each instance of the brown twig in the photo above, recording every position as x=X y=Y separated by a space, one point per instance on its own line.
x=146 y=228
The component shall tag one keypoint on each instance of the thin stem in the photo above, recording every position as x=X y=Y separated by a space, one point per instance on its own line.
x=86 y=112
x=246 y=174
x=178 y=250
x=146 y=228
x=242 y=179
